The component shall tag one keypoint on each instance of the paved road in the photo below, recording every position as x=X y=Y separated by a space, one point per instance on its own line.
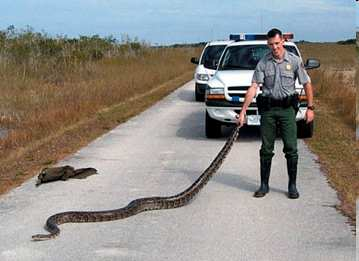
x=161 y=152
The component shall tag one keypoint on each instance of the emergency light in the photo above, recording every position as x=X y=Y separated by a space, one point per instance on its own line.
x=249 y=37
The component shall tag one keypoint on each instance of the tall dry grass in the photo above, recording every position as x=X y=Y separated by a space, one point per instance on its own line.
x=356 y=83
x=331 y=88
x=331 y=55
x=335 y=85
x=334 y=82
x=48 y=84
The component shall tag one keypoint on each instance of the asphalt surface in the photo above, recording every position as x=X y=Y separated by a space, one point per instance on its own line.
x=159 y=153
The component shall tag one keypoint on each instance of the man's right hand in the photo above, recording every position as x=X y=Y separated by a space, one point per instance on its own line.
x=240 y=118
x=251 y=92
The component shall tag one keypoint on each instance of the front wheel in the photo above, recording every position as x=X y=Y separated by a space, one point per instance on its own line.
x=199 y=96
x=305 y=130
x=213 y=127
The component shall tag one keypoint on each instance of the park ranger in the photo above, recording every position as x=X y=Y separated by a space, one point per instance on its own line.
x=276 y=74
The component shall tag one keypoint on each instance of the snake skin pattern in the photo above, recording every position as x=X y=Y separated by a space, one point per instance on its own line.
x=142 y=204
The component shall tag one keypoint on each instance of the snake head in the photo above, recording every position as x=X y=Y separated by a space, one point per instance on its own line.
x=41 y=176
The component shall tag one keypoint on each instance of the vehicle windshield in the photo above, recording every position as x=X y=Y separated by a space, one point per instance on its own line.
x=246 y=57
x=211 y=56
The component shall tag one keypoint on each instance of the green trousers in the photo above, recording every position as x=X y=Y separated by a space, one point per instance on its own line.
x=284 y=120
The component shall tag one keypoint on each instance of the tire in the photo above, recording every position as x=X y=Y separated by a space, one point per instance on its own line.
x=305 y=130
x=199 y=96
x=213 y=127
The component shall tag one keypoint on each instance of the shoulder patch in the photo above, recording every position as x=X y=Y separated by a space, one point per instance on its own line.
x=294 y=56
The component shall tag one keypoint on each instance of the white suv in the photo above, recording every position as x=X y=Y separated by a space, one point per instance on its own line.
x=227 y=88
x=206 y=66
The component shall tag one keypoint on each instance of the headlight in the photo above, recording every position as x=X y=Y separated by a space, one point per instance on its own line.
x=202 y=77
x=215 y=94
x=215 y=90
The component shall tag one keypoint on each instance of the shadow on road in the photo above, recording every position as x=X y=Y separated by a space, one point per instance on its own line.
x=188 y=96
x=237 y=181
x=242 y=182
x=193 y=127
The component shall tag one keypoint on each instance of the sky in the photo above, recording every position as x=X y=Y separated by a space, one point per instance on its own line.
x=183 y=21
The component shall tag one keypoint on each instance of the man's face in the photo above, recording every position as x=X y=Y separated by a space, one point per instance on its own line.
x=276 y=45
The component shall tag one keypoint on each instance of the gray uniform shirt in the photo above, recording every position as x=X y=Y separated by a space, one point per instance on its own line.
x=278 y=78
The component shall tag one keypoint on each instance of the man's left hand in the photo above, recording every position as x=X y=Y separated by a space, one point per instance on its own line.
x=309 y=115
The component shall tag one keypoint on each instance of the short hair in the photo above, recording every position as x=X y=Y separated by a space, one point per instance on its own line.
x=273 y=32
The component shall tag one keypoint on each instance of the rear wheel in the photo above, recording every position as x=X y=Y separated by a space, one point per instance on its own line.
x=305 y=130
x=213 y=127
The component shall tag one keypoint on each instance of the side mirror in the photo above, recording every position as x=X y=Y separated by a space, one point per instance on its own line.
x=311 y=63
x=194 y=60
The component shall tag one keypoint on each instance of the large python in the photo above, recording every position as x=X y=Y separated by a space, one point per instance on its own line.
x=142 y=204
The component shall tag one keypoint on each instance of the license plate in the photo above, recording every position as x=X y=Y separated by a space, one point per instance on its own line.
x=253 y=119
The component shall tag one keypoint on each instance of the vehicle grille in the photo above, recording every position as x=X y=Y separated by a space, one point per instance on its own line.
x=239 y=91
x=248 y=112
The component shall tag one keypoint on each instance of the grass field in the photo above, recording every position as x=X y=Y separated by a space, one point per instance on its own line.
x=52 y=90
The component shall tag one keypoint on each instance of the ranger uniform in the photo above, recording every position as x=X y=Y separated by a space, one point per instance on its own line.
x=278 y=77
x=278 y=108
x=276 y=73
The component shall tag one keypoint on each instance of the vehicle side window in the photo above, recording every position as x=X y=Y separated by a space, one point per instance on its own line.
x=291 y=49
x=243 y=57
x=211 y=56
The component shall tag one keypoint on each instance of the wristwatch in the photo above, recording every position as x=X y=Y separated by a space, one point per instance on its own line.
x=311 y=107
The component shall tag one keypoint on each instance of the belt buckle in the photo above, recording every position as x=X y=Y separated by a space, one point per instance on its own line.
x=276 y=103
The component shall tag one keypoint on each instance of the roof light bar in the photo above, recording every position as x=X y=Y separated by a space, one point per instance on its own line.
x=288 y=36
x=248 y=37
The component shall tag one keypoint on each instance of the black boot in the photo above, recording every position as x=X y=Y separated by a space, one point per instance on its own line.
x=265 y=172
x=292 y=174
